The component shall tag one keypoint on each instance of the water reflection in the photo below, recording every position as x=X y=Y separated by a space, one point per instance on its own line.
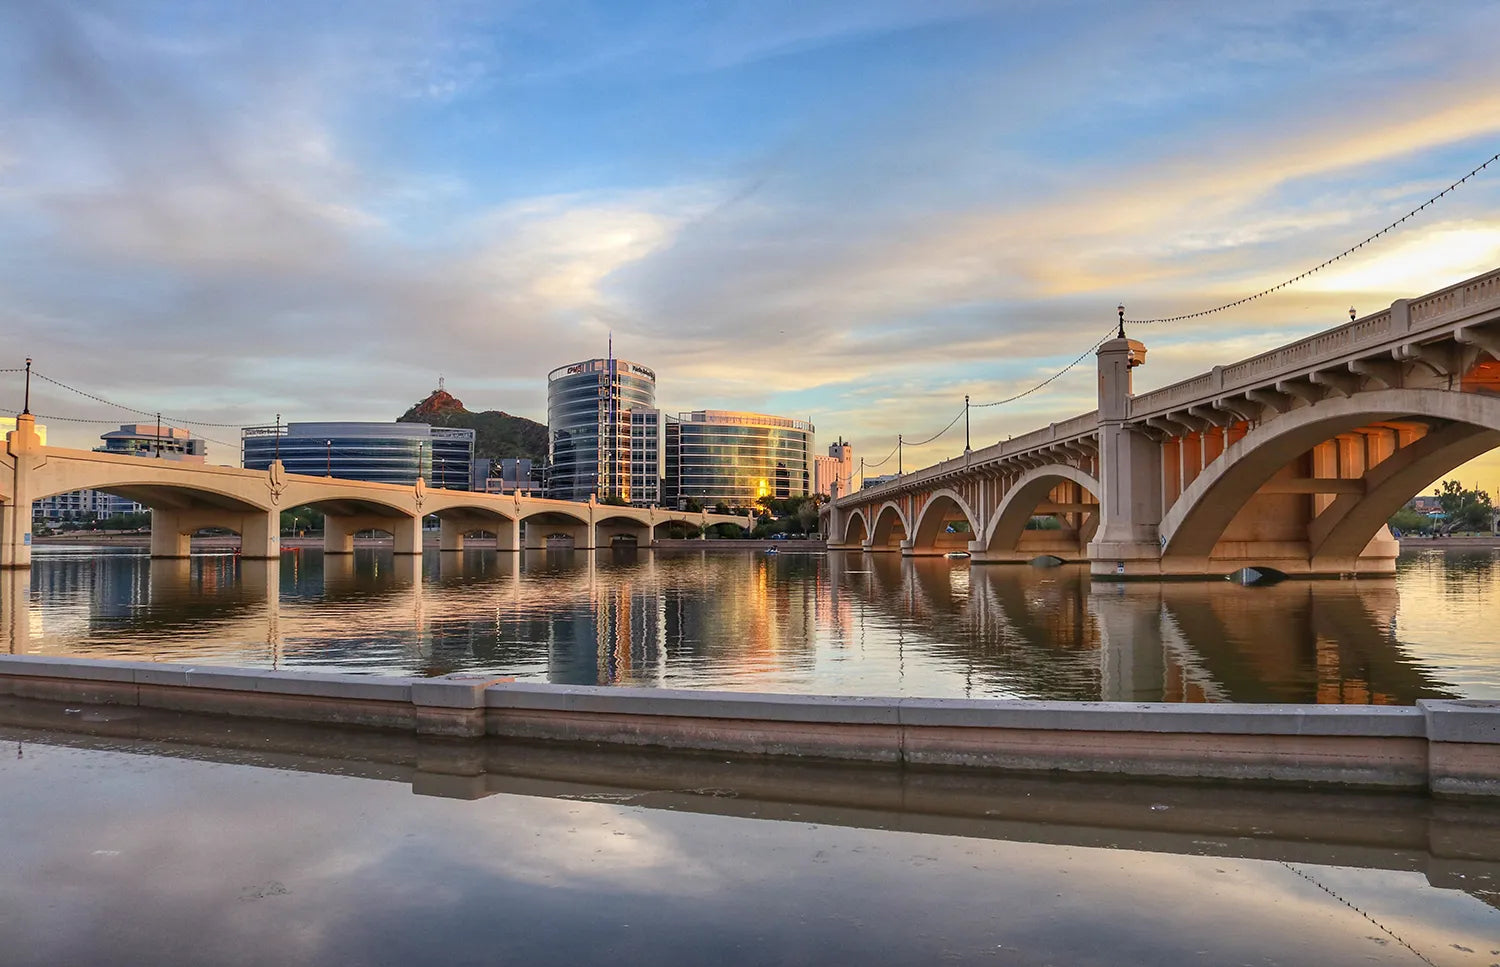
x=842 y=623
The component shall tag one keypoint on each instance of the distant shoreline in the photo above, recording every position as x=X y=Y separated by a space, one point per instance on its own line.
x=1476 y=543
x=230 y=542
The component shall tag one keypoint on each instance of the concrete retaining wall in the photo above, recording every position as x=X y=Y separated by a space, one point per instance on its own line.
x=1448 y=747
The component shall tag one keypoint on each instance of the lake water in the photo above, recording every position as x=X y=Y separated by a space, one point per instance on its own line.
x=841 y=623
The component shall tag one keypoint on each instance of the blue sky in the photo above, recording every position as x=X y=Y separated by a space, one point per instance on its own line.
x=851 y=211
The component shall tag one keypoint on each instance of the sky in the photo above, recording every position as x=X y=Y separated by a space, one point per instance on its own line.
x=849 y=212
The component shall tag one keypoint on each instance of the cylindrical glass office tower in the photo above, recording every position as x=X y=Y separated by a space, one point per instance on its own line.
x=588 y=426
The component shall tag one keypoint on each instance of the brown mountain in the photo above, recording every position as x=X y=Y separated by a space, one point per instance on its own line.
x=496 y=434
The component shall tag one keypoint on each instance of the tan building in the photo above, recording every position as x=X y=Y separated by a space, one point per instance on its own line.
x=835 y=470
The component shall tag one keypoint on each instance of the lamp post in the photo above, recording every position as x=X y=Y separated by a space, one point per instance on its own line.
x=276 y=442
x=900 y=458
x=327 y=458
x=966 y=423
x=421 y=457
x=1121 y=310
x=158 y=436
x=26 y=406
x=1351 y=313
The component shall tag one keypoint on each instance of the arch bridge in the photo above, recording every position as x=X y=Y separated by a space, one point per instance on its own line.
x=1290 y=461
x=185 y=498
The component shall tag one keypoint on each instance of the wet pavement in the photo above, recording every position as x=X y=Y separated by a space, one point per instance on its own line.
x=147 y=838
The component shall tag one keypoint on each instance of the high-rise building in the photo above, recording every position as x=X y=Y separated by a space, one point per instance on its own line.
x=395 y=453
x=833 y=474
x=592 y=432
x=645 y=456
x=716 y=456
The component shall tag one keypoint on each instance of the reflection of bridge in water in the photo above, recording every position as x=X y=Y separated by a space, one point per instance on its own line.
x=706 y=619
x=1015 y=629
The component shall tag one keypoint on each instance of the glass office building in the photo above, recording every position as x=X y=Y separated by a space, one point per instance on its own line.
x=645 y=456
x=714 y=456
x=591 y=432
x=394 y=453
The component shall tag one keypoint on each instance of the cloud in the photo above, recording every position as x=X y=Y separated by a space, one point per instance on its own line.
x=853 y=217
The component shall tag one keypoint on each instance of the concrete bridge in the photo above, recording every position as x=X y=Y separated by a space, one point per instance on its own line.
x=185 y=498
x=1291 y=460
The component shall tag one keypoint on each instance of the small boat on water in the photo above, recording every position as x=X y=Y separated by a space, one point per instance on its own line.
x=771 y=550
x=957 y=555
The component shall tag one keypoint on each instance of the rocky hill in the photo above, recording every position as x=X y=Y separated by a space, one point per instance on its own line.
x=496 y=434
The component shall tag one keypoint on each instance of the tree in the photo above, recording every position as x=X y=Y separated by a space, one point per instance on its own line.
x=807 y=516
x=1408 y=521
x=1468 y=510
x=721 y=508
x=615 y=500
x=301 y=519
x=693 y=505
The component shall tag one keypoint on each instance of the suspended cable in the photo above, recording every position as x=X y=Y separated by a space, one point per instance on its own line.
x=1326 y=262
x=887 y=459
x=129 y=409
x=923 y=443
x=52 y=418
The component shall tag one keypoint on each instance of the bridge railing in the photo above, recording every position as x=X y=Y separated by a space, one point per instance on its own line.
x=1404 y=320
x=1084 y=424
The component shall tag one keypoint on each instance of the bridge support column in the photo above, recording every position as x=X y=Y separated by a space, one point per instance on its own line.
x=172 y=531
x=169 y=534
x=1129 y=474
x=339 y=531
x=408 y=534
x=537 y=534
x=451 y=534
x=23 y=445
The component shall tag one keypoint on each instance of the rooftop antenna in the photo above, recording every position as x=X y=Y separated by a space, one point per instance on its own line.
x=440 y=384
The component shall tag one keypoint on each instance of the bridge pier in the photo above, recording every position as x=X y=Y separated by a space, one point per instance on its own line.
x=537 y=533
x=339 y=531
x=1130 y=473
x=172 y=530
x=605 y=532
x=23 y=445
x=452 y=528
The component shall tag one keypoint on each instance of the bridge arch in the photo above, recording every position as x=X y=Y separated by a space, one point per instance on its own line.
x=459 y=520
x=1461 y=426
x=925 y=535
x=856 y=529
x=541 y=525
x=1030 y=490
x=153 y=493
x=622 y=528
x=890 y=527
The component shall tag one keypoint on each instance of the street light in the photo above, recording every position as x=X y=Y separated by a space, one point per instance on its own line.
x=328 y=458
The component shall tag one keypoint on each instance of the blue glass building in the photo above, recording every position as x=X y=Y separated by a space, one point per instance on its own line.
x=394 y=453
